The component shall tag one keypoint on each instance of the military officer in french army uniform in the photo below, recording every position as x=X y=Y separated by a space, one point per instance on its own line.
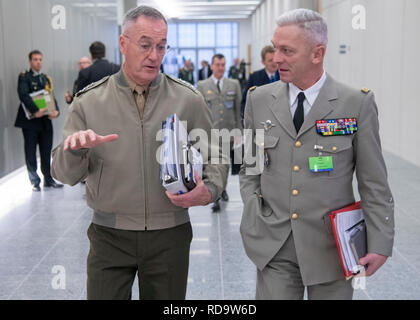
x=223 y=97
x=317 y=132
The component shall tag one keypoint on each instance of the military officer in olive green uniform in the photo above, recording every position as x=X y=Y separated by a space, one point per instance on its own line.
x=237 y=71
x=223 y=97
x=285 y=226
x=111 y=140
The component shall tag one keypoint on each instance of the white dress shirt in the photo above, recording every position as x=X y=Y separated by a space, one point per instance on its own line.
x=220 y=82
x=270 y=75
x=310 y=95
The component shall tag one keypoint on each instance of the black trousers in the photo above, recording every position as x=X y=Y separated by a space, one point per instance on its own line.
x=43 y=138
x=159 y=257
x=236 y=156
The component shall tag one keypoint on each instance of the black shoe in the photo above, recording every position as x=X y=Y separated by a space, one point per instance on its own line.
x=225 y=196
x=36 y=188
x=216 y=206
x=53 y=184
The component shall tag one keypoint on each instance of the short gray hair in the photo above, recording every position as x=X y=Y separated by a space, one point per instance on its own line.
x=310 y=21
x=133 y=14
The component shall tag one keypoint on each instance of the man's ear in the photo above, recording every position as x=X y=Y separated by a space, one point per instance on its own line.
x=318 y=54
x=123 y=44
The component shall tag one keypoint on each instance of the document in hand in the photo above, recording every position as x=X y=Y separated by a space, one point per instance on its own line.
x=349 y=229
x=178 y=158
x=42 y=100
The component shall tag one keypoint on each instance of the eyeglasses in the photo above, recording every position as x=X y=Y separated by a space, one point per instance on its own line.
x=146 y=47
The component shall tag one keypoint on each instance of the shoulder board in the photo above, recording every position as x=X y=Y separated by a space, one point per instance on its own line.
x=365 y=90
x=182 y=82
x=50 y=81
x=252 y=88
x=91 y=86
x=23 y=73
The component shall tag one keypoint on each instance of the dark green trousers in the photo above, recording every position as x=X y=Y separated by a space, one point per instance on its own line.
x=159 y=257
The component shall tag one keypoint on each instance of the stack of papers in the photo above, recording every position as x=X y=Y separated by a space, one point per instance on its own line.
x=42 y=100
x=350 y=235
x=178 y=158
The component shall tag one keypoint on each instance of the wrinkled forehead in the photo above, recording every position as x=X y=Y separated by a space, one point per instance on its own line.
x=146 y=27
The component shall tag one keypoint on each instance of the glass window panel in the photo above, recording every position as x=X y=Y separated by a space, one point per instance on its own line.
x=205 y=54
x=235 y=34
x=170 y=63
x=235 y=53
x=172 y=35
x=206 y=35
x=223 y=34
x=187 y=35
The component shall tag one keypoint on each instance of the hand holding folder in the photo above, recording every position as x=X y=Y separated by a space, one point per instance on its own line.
x=349 y=229
x=45 y=103
x=199 y=196
x=350 y=234
x=178 y=158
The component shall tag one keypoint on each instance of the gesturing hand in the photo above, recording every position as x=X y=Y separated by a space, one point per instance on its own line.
x=199 y=196
x=86 y=140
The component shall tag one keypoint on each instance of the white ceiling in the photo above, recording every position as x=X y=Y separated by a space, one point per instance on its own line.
x=177 y=9
x=105 y=9
x=204 y=9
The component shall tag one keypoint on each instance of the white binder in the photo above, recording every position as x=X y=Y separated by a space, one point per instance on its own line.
x=178 y=158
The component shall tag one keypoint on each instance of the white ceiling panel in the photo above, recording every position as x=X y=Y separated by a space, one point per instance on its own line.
x=204 y=9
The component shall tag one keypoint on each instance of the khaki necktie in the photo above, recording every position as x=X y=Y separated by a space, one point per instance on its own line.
x=139 y=94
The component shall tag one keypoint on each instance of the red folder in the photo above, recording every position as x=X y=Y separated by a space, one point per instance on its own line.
x=355 y=206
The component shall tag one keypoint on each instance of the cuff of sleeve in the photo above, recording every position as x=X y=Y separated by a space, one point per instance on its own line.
x=213 y=191
x=384 y=249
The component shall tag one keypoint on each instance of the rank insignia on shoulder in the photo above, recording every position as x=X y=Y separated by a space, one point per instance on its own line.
x=337 y=127
x=365 y=90
x=252 y=88
x=91 y=86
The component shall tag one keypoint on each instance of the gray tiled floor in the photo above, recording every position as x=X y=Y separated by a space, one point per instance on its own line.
x=40 y=231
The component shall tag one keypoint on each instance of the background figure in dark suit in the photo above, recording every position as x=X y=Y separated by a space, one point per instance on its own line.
x=84 y=62
x=38 y=130
x=100 y=68
x=205 y=72
x=264 y=76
